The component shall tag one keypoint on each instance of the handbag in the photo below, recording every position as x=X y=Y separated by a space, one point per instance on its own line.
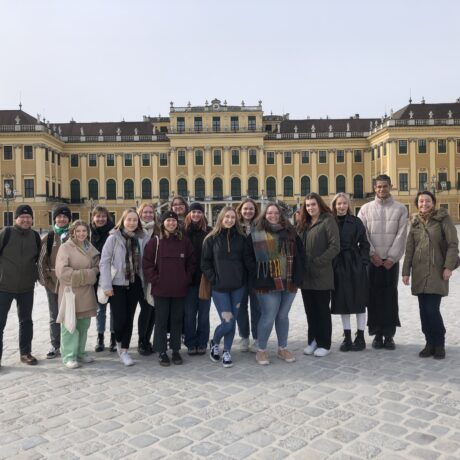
x=148 y=292
x=66 y=314
x=100 y=294
x=204 y=293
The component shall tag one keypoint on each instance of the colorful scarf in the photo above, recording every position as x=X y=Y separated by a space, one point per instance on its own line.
x=132 y=256
x=274 y=252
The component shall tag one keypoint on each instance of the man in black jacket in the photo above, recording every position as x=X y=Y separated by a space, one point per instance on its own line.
x=18 y=274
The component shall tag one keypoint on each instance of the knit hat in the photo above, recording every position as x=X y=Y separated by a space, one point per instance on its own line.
x=23 y=209
x=169 y=215
x=58 y=210
x=196 y=207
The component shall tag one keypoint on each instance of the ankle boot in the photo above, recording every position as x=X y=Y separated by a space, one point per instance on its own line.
x=113 y=343
x=427 y=351
x=346 y=344
x=439 y=352
x=100 y=342
x=359 y=343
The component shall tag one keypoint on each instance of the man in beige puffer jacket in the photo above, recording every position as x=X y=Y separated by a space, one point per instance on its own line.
x=386 y=226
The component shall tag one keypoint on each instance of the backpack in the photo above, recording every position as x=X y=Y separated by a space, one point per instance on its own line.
x=7 y=235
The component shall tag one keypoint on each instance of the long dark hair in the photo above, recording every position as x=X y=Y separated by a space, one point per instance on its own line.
x=263 y=224
x=305 y=218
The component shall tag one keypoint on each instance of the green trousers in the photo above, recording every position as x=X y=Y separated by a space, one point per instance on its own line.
x=73 y=345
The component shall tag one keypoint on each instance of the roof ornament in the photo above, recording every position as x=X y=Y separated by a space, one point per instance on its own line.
x=296 y=129
x=206 y=103
x=260 y=103
x=189 y=104
x=225 y=102
x=242 y=103
x=278 y=128
x=313 y=129
x=38 y=118
x=430 y=114
x=411 y=115
x=101 y=132
x=17 y=119
x=348 y=127
x=330 y=128
x=391 y=113
x=423 y=100
x=59 y=131
x=82 y=131
x=136 y=131
x=118 y=132
x=449 y=113
x=171 y=104
x=370 y=125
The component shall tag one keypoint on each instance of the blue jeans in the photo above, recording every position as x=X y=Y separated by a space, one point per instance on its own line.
x=227 y=305
x=101 y=314
x=243 y=316
x=431 y=319
x=196 y=319
x=274 y=309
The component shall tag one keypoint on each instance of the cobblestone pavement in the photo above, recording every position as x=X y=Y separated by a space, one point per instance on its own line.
x=370 y=404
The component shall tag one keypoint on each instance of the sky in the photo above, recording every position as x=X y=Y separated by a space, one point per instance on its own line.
x=108 y=60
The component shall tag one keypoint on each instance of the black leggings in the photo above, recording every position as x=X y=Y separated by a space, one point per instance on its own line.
x=316 y=304
x=123 y=307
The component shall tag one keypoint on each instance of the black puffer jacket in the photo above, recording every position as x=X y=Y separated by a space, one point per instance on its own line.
x=226 y=260
x=196 y=235
x=99 y=235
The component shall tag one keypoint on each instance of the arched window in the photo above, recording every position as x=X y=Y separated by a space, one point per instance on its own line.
x=358 y=189
x=93 y=189
x=340 y=184
x=217 y=189
x=235 y=187
x=164 y=189
x=146 y=189
x=323 y=187
x=253 y=188
x=305 y=186
x=182 y=187
x=199 y=189
x=75 y=191
x=111 y=189
x=271 y=187
x=129 y=189
x=288 y=186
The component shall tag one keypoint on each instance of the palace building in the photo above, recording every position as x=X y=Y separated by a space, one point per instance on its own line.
x=218 y=153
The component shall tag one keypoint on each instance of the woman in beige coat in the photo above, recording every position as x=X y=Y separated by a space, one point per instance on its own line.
x=77 y=266
x=431 y=256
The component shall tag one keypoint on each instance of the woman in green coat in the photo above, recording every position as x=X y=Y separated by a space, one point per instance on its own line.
x=431 y=256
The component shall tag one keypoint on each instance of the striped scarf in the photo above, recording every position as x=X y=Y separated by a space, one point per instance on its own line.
x=274 y=253
x=132 y=260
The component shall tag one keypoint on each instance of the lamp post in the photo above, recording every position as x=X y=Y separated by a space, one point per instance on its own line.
x=8 y=195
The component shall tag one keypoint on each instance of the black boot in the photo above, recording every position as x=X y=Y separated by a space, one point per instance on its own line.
x=100 y=342
x=377 y=343
x=113 y=343
x=427 y=351
x=143 y=348
x=359 y=343
x=346 y=344
x=439 y=352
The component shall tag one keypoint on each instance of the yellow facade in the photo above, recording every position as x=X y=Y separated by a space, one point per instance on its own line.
x=218 y=153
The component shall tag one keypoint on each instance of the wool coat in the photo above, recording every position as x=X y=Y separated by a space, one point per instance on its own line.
x=78 y=269
x=322 y=243
x=351 y=285
x=431 y=247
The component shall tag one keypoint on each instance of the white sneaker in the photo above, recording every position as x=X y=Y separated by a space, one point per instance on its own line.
x=320 y=352
x=254 y=347
x=126 y=359
x=86 y=359
x=310 y=349
x=244 y=345
x=72 y=364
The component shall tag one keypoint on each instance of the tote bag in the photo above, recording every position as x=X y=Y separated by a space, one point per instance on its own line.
x=67 y=315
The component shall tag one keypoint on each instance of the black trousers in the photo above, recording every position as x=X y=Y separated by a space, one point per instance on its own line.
x=24 y=302
x=431 y=319
x=172 y=309
x=146 y=321
x=383 y=308
x=123 y=307
x=316 y=304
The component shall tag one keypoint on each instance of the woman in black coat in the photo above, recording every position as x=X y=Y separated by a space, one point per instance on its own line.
x=350 y=274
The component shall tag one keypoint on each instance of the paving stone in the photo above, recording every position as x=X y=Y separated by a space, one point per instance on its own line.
x=424 y=454
x=421 y=438
x=143 y=440
x=325 y=445
x=363 y=450
x=175 y=443
x=204 y=449
x=239 y=450
x=292 y=443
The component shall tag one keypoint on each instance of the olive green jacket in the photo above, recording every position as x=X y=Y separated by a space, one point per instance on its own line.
x=322 y=244
x=431 y=247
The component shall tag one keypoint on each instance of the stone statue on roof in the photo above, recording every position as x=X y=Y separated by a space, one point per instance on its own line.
x=313 y=129
x=101 y=133
x=118 y=132
x=135 y=131
x=82 y=132
x=348 y=127
x=411 y=115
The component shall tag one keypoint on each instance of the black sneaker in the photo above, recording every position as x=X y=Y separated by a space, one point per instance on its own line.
x=176 y=358
x=377 y=343
x=214 y=354
x=389 y=343
x=52 y=353
x=164 y=359
x=113 y=343
x=143 y=349
x=227 y=359
x=192 y=351
x=100 y=343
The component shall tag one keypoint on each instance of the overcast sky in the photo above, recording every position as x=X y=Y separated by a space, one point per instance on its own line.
x=104 y=60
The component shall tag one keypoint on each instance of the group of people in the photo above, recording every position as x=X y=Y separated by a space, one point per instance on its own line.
x=251 y=263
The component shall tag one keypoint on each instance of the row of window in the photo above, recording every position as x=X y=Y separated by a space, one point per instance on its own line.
x=216 y=124
x=236 y=190
x=439 y=182
x=28 y=154
x=441 y=145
